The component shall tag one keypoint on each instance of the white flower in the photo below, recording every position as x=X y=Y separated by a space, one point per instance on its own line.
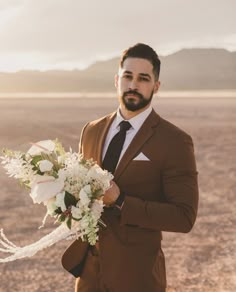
x=60 y=201
x=84 y=222
x=83 y=194
x=87 y=189
x=45 y=187
x=97 y=209
x=61 y=174
x=101 y=177
x=18 y=168
x=76 y=212
x=83 y=179
x=45 y=165
x=45 y=146
x=95 y=171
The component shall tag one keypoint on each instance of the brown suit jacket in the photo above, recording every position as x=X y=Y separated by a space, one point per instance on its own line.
x=161 y=195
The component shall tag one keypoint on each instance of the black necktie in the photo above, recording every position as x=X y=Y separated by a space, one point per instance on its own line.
x=114 y=149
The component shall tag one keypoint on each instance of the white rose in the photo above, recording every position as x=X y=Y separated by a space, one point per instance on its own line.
x=60 y=201
x=41 y=146
x=45 y=165
x=76 y=212
x=45 y=187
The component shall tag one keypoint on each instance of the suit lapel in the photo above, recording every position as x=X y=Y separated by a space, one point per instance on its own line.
x=144 y=133
x=101 y=137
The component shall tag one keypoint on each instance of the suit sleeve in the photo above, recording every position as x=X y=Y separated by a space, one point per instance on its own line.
x=180 y=189
x=81 y=139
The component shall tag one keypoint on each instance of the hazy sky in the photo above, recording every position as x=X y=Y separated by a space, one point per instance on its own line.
x=71 y=34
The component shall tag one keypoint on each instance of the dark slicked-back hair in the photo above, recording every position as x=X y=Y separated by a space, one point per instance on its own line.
x=144 y=52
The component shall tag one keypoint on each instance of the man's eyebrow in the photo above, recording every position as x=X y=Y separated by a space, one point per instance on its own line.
x=127 y=72
x=142 y=74
x=145 y=75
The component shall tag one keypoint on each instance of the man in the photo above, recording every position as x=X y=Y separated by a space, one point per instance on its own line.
x=154 y=189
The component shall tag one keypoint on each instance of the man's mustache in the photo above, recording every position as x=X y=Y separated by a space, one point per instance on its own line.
x=133 y=93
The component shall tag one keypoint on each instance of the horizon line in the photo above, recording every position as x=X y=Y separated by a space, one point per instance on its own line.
x=105 y=59
x=197 y=93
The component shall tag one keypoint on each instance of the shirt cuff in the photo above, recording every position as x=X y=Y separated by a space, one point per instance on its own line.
x=120 y=201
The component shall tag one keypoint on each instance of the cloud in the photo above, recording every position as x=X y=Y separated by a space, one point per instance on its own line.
x=10 y=4
x=61 y=32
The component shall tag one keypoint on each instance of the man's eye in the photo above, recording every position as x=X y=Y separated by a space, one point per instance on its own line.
x=144 y=79
x=127 y=76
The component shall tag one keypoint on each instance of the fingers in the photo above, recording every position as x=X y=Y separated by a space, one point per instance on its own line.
x=111 y=194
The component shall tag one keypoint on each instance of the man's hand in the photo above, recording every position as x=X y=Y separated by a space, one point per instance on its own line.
x=111 y=194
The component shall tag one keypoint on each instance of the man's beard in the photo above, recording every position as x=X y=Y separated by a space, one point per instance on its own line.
x=131 y=104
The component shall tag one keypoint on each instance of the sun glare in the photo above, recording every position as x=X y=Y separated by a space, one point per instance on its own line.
x=15 y=62
x=12 y=62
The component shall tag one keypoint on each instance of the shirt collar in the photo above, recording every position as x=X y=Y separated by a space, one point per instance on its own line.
x=136 y=122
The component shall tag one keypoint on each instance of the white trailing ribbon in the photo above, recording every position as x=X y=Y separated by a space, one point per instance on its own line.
x=60 y=233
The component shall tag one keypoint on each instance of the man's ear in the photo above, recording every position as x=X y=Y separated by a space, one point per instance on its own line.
x=116 y=80
x=157 y=85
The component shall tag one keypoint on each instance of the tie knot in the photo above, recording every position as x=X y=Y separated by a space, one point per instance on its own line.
x=124 y=126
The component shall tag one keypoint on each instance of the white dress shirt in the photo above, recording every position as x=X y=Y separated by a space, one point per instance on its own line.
x=136 y=123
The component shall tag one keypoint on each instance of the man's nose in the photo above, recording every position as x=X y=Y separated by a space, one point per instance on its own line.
x=133 y=85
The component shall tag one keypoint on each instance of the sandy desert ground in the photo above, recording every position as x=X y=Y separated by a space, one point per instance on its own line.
x=201 y=261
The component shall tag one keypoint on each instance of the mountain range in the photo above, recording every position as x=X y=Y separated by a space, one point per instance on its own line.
x=187 y=69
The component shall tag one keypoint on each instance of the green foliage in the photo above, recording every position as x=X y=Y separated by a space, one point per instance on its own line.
x=8 y=153
x=97 y=193
x=58 y=211
x=70 y=200
x=68 y=222
x=61 y=218
x=87 y=163
x=44 y=156
x=36 y=159
x=59 y=149
x=53 y=159
x=25 y=184
x=76 y=219
x=54 y=173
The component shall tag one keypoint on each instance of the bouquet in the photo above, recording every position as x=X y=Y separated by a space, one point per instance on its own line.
x=70 y=187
